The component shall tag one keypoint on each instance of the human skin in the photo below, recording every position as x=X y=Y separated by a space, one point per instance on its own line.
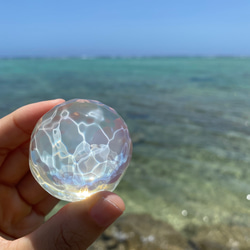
x=24 y=204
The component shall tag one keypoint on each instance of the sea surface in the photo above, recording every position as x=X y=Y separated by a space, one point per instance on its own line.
x=189 y=120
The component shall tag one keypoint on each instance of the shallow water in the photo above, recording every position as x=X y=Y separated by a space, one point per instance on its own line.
x=189 y=119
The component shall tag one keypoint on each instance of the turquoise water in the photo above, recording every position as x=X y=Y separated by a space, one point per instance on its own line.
x=189 y=119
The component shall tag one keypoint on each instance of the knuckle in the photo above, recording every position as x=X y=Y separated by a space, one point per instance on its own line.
x=69 y=240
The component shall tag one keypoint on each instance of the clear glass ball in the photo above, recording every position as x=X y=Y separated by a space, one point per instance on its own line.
x=78 y=148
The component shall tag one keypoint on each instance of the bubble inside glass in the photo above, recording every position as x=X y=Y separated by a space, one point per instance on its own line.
x=78 y=148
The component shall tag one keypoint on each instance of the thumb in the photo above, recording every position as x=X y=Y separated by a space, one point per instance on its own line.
x=77 y=225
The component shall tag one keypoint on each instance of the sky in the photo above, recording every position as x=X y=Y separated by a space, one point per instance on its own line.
x=52 y=28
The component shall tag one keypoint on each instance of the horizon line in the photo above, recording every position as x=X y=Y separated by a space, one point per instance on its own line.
x=85 y=57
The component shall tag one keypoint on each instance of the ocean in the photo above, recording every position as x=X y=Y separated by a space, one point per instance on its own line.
x=189 y=119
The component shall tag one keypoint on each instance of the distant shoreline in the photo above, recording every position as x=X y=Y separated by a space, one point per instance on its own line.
x=123 y=57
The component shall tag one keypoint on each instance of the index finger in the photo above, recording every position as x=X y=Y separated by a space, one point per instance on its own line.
x=16 y=128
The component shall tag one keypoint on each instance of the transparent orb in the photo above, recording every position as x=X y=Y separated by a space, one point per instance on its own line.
x=78 y=148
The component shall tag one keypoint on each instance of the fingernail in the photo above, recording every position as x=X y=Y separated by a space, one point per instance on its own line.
x=107 y=210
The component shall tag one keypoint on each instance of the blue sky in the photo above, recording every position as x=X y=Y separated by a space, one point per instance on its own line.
x=124 y=28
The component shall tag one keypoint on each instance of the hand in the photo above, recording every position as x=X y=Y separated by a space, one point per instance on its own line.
x=24 y=204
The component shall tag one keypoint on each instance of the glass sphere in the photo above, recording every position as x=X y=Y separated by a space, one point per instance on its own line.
x=78 y=148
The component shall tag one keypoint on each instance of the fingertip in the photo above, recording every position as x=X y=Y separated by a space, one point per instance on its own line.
x=58 y=100
x=107 y=209
x=116 y=201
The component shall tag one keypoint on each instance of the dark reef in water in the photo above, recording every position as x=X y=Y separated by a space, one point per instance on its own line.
x=141 y=231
